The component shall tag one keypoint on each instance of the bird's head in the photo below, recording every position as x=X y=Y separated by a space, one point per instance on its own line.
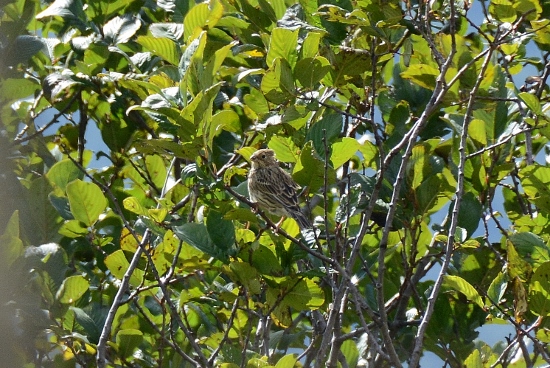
x=263 y=158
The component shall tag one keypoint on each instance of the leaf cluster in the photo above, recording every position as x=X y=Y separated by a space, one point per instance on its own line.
x=128 y=237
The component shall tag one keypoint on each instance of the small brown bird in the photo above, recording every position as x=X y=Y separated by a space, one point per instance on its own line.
x=273 y=189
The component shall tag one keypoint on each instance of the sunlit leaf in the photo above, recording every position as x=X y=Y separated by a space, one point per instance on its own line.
x=118 y=265
x=283 y=44
x=120 y=29
x=421 y=74
x=459 y=284
x=288 y=361
x=163 y=47
x=474 y=360
x=539 y=290
x=278 y=83
x=343 y=151
x=72 y=289
x=285 y=149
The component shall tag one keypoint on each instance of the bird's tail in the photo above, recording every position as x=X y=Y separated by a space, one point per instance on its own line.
x=301 y=219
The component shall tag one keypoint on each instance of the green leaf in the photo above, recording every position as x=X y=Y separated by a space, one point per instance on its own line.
x=165 y=48
x=516 y=267
x=17 y=88
x=283 y=44
x=221 y=231
x=469 y=213
x=128 y=340
x=477 y=132
x=202 y=16
x=502 y=10
x=532 y=102
x=48 y=257
x=535 y=180
x=310 y=71
x=73 y=229
x=132 y=204
x=43 y=218
x=531 y=248
x=62 y=173
x=343 y=151
x=12 y=245
x=86 y=200
x=278 y=83
x=156 y=170
x=459 y=284
x=288 y=361
x=285 y=149
x=304 y=294
x=310 y=171
x=197 y=236
x=498 y=287
x=256 y=101
x=72 y=289
x=350 y=351
x=88 y=324
x=421 y=74
x=117 y=263
x=329 y=128
x=120 y=29
x=247 y=276
x=225 y=120
x=539 y=291
x=26 y=46
x=216 y=61
x=350 y=63
x=473 y=360
x=265 y=260
x=173 y=31
x=310 y=47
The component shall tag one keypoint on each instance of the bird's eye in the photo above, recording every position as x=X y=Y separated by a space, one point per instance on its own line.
x=264 y=156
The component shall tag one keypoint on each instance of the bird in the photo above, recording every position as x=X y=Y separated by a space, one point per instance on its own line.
x=273 y=189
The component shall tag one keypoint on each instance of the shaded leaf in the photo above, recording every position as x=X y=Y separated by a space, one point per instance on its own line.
x=197 y=236
x=128 y=340
x=86 y=200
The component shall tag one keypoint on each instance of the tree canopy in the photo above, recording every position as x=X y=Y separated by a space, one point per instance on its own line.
x=127 y=235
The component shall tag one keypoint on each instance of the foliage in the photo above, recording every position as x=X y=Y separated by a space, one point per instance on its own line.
x=419 y=154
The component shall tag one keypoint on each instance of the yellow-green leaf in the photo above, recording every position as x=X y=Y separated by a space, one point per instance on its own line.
x=459 y=284
x=539 y=291
x=132 y=204
x=343 y=151
x=72 y=289
x=421 y=74
x=118 y=265
x=163 y=47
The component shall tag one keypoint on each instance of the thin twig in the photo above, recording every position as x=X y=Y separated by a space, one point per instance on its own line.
x=416 y=353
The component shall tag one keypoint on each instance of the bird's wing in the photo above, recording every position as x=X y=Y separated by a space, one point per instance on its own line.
x=280 y=185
